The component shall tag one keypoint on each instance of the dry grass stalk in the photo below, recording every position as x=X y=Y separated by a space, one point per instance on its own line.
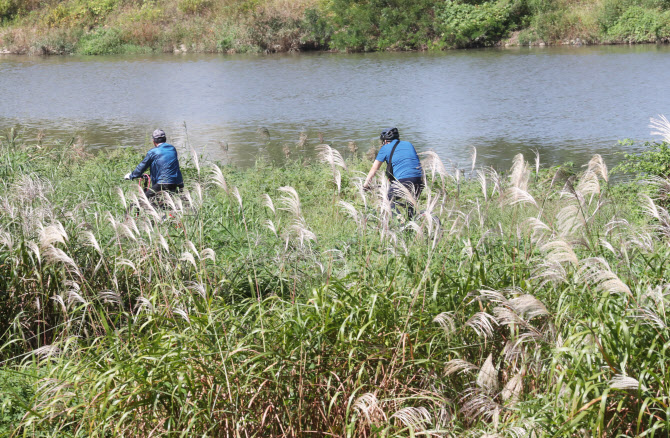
x=597 y=272
x=459 y=366
x=236 y=194
x=55 y=255
x=597 y=166
x=368 y=406
x=651 y=317
x=267 y=202
x=291 y=201
x=188 y=257
x=271 y=226
x=109 y=296
x=218 y=179
x=208 y=254
x=196 y=160
x=334 y=159
x=516 y=195
x=589 y=184
x=513 y=389
x=528 y=307
x=660 y=214
x=476 y=404
x=300 y=231
x=661 y=127
x=431 y=163
x=446 y=321
x=350 y=210
x=405 y=193
x=52 y=234
x=416 y=418
x=91 y=241
x=624 y=382
x=662 y=186
x=487 y=379
x=482 y=323
x=519 y=173
x=481 y=177
x=46 y=351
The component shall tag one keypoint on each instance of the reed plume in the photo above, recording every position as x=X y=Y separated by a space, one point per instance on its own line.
x=661 y=127
x=332 y=157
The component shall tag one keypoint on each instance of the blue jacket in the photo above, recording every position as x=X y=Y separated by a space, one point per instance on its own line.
x=405 y=160
x=164 y=165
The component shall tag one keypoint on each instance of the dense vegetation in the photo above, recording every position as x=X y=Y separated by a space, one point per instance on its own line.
x=285 y=300
x=131 y=26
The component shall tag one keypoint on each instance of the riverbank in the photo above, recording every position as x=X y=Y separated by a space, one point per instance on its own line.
x=176 y=26
x=285 y=300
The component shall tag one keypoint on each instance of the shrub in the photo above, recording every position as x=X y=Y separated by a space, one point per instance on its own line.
x=57 y=42
x=228 y=38
x=611 y=10
x=8 y=8
x=464 y=25
x=97 y=8
x=653 y=160
x=638 y=24
x=363 y=25
x=318 y=27
x=101 y=42
x=194 y=7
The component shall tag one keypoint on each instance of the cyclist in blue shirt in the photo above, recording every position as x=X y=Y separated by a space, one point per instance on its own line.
x=163 y=163
x=402 y=165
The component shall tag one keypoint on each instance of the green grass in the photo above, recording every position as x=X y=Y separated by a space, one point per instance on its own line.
x=538 y=305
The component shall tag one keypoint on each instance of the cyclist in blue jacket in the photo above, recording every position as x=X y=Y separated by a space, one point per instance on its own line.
x=163 y=163
x=402 y=165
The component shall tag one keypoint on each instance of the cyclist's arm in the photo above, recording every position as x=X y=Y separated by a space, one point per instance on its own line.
x=375 y=167
x=142 y=167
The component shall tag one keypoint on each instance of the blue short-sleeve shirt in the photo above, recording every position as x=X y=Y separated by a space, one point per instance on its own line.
x=405 y=161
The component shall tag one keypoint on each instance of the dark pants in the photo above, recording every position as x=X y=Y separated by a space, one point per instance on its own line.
x=155 y=189
x=415 y=186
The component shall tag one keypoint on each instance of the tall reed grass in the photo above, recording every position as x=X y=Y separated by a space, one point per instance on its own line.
x=287 y=301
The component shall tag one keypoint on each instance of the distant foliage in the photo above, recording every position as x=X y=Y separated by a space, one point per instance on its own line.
x=465 y=25
x=343 y=25
x=8 y=8
x=653 y=160
x=194 y=7
x=381 y=24
x=638 y=24
x=101 y=42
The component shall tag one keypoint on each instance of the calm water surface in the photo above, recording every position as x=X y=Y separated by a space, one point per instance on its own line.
x=567 y=103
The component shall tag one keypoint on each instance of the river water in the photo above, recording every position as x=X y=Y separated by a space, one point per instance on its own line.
x=566 y=103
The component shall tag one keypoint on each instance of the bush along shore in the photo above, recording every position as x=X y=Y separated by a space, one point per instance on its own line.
x=288 y=301
x=239 y=26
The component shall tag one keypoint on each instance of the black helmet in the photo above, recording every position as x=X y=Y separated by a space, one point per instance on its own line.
x=389 y=134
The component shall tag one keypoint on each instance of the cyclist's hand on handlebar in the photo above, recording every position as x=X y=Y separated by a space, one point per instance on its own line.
x=127 y=176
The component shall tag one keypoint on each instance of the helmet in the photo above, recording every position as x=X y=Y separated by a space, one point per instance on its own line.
x=389 y=134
